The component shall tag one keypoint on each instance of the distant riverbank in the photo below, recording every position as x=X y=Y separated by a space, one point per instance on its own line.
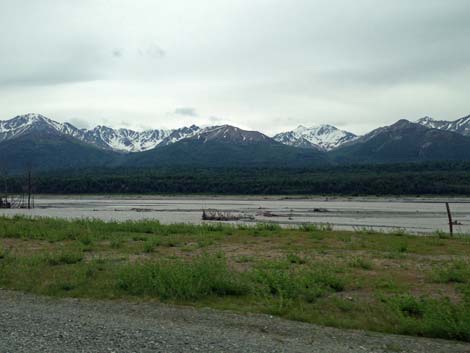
x=415 y=215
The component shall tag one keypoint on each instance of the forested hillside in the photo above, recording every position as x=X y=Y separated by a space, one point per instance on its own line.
x=396 y=179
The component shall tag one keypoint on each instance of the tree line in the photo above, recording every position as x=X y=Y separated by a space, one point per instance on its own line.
x=445 y=178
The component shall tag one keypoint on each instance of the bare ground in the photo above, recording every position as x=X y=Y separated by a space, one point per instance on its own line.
x=30 y=323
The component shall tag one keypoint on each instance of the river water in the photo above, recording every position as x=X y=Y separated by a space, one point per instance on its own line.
x=416 y=215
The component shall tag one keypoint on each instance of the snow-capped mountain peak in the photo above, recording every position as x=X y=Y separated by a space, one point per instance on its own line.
x=23 y=121
x=128 y=140
x=300 y=129
x=323 y=137
x=122 y=140
x=23 y=124
x=231 y=134
x=461 y=126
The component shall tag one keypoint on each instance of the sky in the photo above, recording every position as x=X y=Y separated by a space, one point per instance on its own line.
x=257 y=64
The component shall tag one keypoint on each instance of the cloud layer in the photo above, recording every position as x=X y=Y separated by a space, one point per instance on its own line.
x=266 y=65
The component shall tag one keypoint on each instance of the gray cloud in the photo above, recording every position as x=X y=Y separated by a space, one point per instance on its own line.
x=155 y=51
x=117 y=52
x=187 y=111
x=266 y=65
x=216 y=120
x=80 y=123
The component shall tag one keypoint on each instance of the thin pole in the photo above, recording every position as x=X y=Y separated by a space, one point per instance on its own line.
x=451 y=224
x=29 y=188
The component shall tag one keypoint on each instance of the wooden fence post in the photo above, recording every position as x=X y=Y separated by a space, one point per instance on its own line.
x=451 y=224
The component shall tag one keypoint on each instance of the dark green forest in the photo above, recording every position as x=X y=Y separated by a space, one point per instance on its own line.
x=445 y=178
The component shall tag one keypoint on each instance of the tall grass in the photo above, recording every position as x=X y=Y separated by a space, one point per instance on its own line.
x=87 y=230
x=276 y=281
x=431 y=317
x=313 y=227
x=179 y=280
x=453 y=272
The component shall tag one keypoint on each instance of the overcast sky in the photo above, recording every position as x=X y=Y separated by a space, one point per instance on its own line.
x=268 y=65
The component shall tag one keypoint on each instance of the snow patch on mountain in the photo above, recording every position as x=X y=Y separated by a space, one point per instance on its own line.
x=323 y=137
x=23 y=124
x=123 y=140
x=232 y=134
x=461 y=126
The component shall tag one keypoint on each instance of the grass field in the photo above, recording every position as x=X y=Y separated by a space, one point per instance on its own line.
x=396 y=283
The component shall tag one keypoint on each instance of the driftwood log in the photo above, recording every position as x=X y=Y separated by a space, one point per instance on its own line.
x=216 y=215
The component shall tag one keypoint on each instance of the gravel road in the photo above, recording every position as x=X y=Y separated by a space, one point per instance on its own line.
x=36 y=324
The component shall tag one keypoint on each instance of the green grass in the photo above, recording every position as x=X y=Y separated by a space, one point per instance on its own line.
x=431 y=317
x=178 y=280
x=360 y=262
x=63 y=258
x=453 y=272
x=286 y=287
x=3 y=252
x=396 y=283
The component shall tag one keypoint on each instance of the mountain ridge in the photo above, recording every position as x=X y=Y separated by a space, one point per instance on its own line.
x=227 y=146
x=461 y=126
x=323 y=137
x=50 y=150
x=53 y=145
x=120 y=140
x=404 y=141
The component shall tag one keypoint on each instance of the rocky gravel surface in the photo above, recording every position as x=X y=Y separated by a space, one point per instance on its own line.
x=36 y=324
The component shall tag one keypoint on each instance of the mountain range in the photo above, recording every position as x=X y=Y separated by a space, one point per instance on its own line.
x=404 y=141
x=122 y=140
x=48 y=145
